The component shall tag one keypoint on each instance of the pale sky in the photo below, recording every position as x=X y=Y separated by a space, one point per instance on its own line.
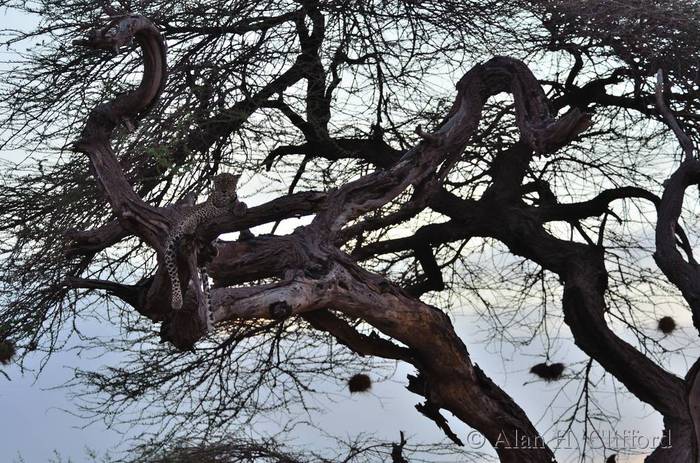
x=41 y=420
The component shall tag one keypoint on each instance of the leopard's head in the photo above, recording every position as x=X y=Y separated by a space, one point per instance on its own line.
x=224 y=193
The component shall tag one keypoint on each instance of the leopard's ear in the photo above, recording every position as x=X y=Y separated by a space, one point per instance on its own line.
x=188 y=200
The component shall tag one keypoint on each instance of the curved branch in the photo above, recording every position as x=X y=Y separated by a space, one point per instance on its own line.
x=599 y=205
x=94 y=240
x=596 y=206
x=132 y=211
x=362 y=344
x=685 y=275
x=132 y=105
x=582 y=269
x=540 y=131
x=131 y=294
x=670 y=119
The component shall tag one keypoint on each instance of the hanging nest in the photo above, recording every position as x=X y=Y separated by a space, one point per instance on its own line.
x=667 y=325
x=548 y=372
x=359 y=383
x=7 y=351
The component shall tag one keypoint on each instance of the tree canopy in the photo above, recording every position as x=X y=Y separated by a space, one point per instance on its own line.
x=400 y=161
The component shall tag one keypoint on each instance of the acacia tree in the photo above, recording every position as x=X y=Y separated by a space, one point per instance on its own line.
x=404 y=184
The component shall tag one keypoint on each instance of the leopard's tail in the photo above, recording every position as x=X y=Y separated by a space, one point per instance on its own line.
x=171 y=266
x=209 y=314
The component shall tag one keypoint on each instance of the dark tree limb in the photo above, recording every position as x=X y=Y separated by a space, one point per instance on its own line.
x=290 y=206
x=596 y=206
x=684 y=274
x=542 y=133
x=685 y=141
x=95 y=140
x=397 y=450
x=679 y=271
x=432 y=274
x=441 y=356
x=362 y=344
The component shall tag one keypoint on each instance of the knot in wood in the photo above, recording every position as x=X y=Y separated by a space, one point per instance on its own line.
x=280 y=310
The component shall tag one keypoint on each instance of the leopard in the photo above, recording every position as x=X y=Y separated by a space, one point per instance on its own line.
x=222 y=200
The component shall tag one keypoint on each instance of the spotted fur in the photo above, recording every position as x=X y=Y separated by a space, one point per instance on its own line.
x=204 y=276
x=222 y=200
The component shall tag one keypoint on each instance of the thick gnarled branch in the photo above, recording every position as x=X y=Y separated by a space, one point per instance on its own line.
x=539 y=131
x=95 y=139
x=453 y=382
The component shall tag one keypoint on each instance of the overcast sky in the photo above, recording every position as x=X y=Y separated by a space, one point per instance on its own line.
x=40 y=420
